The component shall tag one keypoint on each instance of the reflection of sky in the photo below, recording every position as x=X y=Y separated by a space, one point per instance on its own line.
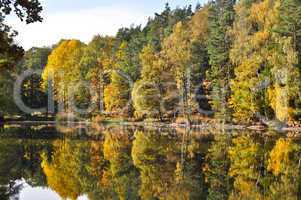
x=81 y=19
x=29 y=193
x=39 y=193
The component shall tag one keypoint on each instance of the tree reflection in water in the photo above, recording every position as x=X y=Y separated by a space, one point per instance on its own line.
x=124 y=163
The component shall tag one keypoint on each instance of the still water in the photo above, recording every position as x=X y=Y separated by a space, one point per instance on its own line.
x=41 y=163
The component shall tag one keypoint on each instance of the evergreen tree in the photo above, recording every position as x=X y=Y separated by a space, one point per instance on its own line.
x=221 y=17
x=290 y=22
x=289 y=25
x=162 y=24
x=199 y=25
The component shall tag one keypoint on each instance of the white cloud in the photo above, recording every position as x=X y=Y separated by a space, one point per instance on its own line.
x=81 y=25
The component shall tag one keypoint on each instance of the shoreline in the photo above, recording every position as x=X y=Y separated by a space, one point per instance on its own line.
x=201 y=126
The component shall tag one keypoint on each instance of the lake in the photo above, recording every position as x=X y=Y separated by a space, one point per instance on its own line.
x=118 y=162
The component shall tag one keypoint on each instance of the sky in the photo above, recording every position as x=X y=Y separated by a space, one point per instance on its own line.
x=82 y=19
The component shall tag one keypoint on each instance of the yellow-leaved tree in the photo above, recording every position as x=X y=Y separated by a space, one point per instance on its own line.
x=63 y=69
x=155 y=95
x=266 y=73
x=178 y=54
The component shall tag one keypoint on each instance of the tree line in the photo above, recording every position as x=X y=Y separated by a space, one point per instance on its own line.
x=233 y=61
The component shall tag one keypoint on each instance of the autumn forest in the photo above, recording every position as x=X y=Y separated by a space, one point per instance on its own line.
x=199 y=102
x=225 y=60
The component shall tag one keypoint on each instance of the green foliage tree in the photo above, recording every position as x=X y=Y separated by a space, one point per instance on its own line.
x=243 y=99
x=32 y=92
x=10 y=52
x=146 y=100
x=221 y=17
x=152 y=95
x=29 y=11
x=161 y=25
x=126 y=70
x=289 y=26
x=7 y=106
x=289 y=22
x=199 y=25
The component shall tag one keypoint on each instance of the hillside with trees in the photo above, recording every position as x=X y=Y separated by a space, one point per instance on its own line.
x=234 y=62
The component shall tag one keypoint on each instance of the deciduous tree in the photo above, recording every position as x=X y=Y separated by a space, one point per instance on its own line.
x=63 y=69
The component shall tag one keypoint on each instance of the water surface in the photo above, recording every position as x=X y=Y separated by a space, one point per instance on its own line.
x=39 y=162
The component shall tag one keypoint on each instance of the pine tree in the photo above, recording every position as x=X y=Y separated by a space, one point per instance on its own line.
x=199 y=25
x=221 y=18
x=290 y=22
x=161 y=26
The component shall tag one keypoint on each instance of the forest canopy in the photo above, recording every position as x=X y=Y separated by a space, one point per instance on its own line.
x=232 y=61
